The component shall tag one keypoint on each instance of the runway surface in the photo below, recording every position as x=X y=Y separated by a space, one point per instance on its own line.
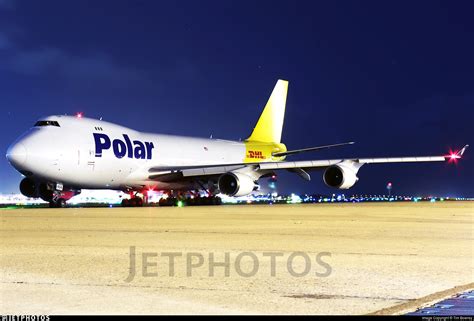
x=378 y=258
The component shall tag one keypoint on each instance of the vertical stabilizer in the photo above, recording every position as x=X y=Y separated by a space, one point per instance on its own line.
x=270 y=123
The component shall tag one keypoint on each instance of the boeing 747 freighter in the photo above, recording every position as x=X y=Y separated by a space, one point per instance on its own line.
x=60 y=155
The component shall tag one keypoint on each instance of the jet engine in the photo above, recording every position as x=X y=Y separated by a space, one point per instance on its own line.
x=28 y=187
x=342 y=176
x=236 y=184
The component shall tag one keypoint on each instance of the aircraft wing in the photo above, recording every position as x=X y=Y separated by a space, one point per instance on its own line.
x=300 y=167
x=316 y=164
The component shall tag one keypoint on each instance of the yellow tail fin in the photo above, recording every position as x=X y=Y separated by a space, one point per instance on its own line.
x=270 y=123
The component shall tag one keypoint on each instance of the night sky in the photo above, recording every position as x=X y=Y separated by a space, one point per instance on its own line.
x=396 y=77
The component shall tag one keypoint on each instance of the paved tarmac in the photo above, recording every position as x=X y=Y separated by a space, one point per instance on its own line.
x=384 y=258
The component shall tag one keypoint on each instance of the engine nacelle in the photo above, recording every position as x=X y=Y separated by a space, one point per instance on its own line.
x=342 y=176
x=29 y=188
x=236 y=184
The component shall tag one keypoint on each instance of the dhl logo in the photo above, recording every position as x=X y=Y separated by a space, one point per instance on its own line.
x=255 y=154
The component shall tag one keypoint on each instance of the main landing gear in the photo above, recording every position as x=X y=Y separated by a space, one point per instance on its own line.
x=190 y=201
x=135 y=201
x=174 y=201
x=56 y=198
x=174 y=198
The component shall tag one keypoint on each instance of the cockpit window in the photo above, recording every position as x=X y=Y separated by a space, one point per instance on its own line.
x=41 y=123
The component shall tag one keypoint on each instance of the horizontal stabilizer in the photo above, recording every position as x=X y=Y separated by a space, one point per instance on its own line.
x=310 y=149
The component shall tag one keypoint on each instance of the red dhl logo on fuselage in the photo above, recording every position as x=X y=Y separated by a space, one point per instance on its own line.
x=255 y=154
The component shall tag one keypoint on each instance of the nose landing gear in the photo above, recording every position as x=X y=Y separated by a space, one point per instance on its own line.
x=58 y=203
x=56 y=198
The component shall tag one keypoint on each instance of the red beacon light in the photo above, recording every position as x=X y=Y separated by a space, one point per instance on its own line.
x=150 y=189
x=79 y=115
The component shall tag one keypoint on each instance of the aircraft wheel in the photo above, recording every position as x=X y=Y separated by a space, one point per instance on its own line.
x=173 y=201
x=61 y=203
x=170 y=201
x=138 y=202
x=214 y=200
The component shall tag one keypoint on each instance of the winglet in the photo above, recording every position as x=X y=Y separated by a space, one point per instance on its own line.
x=454 y=156
x=461 y=152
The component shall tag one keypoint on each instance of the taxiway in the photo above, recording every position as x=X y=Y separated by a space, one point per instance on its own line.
x=383 y=258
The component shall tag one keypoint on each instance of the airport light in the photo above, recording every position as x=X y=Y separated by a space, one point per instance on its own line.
x=389 y=189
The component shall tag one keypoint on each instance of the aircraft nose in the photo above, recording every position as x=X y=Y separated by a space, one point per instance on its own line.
x=16 y=154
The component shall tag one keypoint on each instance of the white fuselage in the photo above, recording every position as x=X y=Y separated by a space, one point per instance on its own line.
x=88 y=153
